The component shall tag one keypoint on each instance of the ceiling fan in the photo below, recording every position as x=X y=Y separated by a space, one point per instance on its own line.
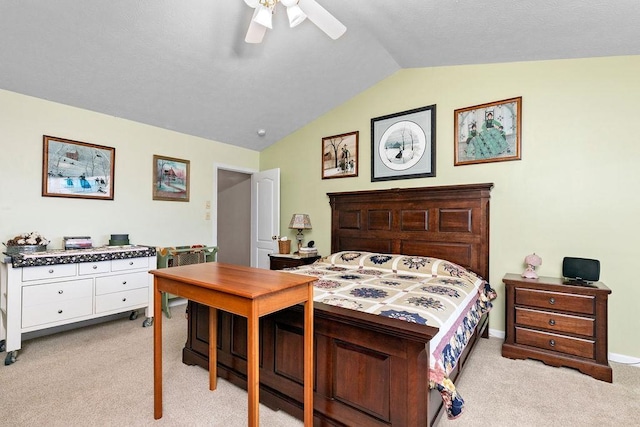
x=297 y=11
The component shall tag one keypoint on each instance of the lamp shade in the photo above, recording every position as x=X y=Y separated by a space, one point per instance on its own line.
x=300 y=222
x=533 y=260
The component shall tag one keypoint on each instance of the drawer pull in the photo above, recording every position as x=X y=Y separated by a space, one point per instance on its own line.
x=552 y=300
x=130 y=262
x=51 y=271
x=59 y=311
x=552 y=322
x=124 y=299
x=552 y=343
x=124 y=282
x=94 y=266
x=60 y=291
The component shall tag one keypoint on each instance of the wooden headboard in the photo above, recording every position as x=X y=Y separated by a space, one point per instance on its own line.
x=447 y=222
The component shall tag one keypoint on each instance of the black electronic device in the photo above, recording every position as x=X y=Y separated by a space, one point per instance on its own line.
x=581 y=269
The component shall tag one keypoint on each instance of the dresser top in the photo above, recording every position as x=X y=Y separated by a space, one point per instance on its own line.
x=72 y=256
x=543 y=281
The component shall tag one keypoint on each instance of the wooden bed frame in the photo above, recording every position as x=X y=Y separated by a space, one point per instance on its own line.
x=369 y=370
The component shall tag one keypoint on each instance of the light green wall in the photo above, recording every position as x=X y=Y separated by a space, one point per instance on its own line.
x=574 y=193
x=23 y=122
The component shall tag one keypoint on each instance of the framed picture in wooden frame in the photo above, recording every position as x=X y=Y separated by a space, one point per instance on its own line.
x=340 y=155
x=403 y=145
x=488 y=132
x=170 y=179
x=77 y=169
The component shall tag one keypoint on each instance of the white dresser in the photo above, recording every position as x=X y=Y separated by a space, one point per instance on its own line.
x=46 y=290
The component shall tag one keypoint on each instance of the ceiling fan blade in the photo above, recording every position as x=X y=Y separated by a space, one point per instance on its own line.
x=256 y=32
x=323 y=19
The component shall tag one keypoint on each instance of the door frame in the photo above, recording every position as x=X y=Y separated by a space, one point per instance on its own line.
x=214 y=197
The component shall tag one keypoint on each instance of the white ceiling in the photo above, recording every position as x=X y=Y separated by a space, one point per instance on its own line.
x=184 y=65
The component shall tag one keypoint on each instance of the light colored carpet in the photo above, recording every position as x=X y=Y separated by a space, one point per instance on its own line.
x=102 y=375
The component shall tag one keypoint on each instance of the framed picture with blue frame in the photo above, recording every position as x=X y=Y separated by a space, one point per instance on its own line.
x=488 y=132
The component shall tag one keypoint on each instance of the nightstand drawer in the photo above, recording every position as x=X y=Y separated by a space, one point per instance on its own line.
x=555 y=321
x=555 y=300
x=556 y=343
x=279 y=262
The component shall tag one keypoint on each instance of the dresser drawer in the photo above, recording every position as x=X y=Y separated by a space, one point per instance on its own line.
x=129 y=264
x=556 y=343
x=56 y=311
x=85 y=268
x=48 y=272
x=120 y=301
x=53 y=293
x=121 y=282
x=555 y=300
x=555 y=321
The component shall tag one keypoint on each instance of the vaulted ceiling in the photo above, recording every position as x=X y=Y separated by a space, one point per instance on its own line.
x=184 y=65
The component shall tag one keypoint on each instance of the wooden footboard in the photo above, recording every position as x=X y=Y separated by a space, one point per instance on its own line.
x=368 y=370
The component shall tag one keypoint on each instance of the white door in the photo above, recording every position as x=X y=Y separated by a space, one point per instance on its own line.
x=265 y=216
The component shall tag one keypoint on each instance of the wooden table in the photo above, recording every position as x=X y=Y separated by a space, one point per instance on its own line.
x=245 y=291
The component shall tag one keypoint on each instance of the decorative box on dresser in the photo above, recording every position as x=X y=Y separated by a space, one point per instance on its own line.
x=559 y=323
x=49 y=289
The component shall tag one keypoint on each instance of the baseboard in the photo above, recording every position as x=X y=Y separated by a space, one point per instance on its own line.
x=173 y=302
x=625 y=360
x=613 y=357
x=495 y=333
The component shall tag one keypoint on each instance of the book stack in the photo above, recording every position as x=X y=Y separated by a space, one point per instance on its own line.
x=83 y=242
x=308 y=251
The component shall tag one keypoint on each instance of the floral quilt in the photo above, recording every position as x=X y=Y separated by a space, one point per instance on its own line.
x=423 y=290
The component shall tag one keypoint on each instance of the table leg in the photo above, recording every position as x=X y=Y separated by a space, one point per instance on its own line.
x=157 y=352
x=308 y=359
x=253 y=380
x=213 y=348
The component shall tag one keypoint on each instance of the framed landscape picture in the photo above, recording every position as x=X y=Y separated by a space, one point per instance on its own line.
x=77 y=169
x=170 y=179
x=488 y=133
x=403 y=145
x=340 y=155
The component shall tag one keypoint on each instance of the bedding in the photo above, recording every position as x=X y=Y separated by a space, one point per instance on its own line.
x=422 y=290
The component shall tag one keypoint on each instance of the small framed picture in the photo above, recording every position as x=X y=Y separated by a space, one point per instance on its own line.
x=170 y=179
x=488 y=133
x=340 y=155
x=403 y=145
x=77 y=169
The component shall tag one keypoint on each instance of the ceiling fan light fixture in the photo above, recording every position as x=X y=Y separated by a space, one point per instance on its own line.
x=263 y=16
x=296 y=15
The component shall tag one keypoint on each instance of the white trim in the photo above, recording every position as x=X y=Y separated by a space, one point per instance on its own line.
x=496 y=333
x=626 y=360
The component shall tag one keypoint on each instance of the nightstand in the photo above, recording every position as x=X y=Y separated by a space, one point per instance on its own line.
x=280 y=261
x=558 y=323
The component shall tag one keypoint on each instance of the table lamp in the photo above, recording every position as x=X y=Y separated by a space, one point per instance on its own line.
x=532 y=262
x=300 y=222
